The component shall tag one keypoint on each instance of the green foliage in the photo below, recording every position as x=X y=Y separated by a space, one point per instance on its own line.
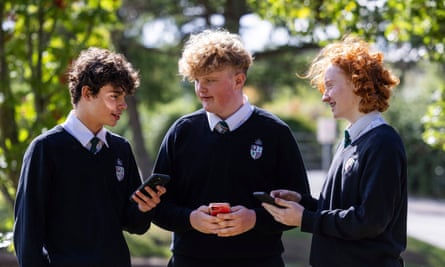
x=39 y=40
x=274 y=75
x=410 y=101
x=160 y=81
x=418 y=23
x=421 y=254
x=154 y=243
x=434 y=120
x=157 y=120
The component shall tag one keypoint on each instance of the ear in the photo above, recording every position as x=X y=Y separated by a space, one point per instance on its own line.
x=86 y=92
x=240 y=79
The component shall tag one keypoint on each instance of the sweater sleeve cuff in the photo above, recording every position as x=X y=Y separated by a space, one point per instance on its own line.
x=308 y=221
x=186 y=219
x=305 y=199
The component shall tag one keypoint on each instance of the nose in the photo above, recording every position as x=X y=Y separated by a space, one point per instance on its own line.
x=325 y=97
x=123 y=104
x=199 y=87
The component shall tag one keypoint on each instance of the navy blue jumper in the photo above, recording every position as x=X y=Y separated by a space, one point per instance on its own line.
x=73 y=204
x=360 y=216
x=205 y=166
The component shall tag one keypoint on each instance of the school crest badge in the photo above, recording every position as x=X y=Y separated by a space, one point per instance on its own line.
x=120 y=171
x=349 y=164
x=256 y=149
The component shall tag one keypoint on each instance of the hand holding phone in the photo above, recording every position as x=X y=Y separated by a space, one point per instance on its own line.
x=264 y=197
x=152 y=181
x=219 y=207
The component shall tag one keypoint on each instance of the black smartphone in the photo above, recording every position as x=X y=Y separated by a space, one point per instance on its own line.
x=152 y=181
x=265 y=197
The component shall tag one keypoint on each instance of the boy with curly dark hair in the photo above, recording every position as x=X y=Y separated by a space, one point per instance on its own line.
x=76 y=180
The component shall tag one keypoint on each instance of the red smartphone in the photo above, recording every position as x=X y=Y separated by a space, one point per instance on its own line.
x=219 y=207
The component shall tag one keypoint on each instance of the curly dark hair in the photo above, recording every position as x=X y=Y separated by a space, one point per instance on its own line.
x=97 y=67
x=372 y=81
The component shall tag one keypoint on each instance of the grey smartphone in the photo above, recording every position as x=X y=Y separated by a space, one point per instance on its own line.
x=265 y=197
x=152 y=181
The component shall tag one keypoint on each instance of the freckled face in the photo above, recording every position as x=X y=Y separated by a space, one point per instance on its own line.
x=220 y=91
x=339 y=94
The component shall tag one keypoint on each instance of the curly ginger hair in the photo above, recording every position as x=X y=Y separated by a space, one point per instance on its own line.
x=372 y=81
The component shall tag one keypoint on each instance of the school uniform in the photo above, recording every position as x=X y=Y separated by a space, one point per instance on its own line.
x=360 y=218
x=72 y=205
x=258 y=153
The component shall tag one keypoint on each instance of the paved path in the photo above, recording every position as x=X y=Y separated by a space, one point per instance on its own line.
x=426 y=220
x=426 y=217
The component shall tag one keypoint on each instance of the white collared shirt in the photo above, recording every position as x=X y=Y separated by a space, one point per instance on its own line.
x=366 y=123
x=236 y=119
x=79 y=131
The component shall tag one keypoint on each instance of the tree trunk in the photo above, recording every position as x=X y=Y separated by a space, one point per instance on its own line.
x=142 y=156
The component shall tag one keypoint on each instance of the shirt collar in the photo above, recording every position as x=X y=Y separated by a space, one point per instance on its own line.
x=366 y=123
x=236 y=119
x=77 y=129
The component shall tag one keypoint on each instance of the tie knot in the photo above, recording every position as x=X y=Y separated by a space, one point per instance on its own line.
x=347 y=139
x=222 y=127
x=94 y=141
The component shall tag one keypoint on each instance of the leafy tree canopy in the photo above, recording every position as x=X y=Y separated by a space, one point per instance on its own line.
x=38 y=40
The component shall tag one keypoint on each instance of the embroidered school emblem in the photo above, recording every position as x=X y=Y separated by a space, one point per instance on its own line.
x=120 y=171
x=349 y=164
x=256 y=149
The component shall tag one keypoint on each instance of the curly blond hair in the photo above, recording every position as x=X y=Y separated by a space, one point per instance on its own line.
x=372 y=81
x=213 y=50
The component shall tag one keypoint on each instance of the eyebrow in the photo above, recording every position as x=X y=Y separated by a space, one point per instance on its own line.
x=211 y=76
x=118 y=91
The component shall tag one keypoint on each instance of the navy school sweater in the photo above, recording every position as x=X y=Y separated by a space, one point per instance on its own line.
x=75 y=204
x=360 y=219
x=205 y=166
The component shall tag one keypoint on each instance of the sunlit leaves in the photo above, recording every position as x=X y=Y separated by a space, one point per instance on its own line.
x=419 y=23
x=434 y=121
x=42 y=38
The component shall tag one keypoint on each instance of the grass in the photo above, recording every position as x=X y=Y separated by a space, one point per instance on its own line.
x=421 y=254
x=297 y=246
x=154 y=243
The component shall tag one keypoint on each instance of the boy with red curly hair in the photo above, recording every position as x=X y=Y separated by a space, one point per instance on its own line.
x=360 y=216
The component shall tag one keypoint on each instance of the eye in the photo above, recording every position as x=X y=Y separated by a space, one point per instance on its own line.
x=328 y=86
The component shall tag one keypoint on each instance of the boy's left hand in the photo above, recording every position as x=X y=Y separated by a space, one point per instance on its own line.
x=146 y=203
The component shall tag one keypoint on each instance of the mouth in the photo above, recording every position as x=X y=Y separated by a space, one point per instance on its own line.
x=205 y=98
x=116 y=116
x=332 y=104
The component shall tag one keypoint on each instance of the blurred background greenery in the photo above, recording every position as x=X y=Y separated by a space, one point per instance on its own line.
x=39 y=38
